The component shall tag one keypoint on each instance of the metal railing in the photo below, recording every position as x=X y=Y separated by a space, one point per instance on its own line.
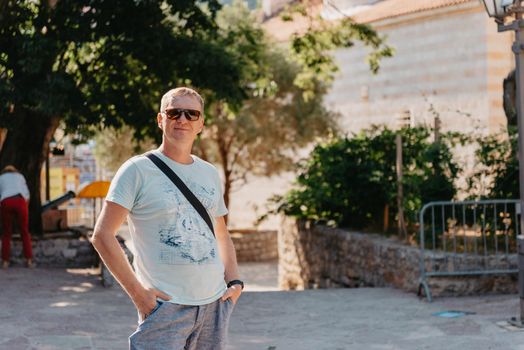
x=468 y=238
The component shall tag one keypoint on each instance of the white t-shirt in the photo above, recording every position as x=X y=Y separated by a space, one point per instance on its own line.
x=11 y=184
x=176 y=251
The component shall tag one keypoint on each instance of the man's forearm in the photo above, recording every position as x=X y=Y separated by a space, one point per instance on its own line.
x=227 y=250
x=116 y=261
x=229 y=258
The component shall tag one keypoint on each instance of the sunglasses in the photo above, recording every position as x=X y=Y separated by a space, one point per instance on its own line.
x=176 y=113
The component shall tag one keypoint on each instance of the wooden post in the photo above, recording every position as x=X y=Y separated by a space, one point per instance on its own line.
x=438 y=124
x=402 y=232
x=94 y=212
x=404 y=119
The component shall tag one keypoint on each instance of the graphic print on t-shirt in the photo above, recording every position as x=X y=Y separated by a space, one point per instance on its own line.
x=186 y=238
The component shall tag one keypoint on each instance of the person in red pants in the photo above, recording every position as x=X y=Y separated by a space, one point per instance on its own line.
x=14 y=199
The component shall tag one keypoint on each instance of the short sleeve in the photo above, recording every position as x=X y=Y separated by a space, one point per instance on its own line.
x=125 y=185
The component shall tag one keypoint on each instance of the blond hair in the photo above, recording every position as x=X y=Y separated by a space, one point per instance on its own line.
x=180 y=91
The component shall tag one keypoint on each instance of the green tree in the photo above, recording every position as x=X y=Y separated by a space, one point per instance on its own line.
x=283 y=111
x=99 y=62
x=274 y=121
x=313 y=49
x=114 y=146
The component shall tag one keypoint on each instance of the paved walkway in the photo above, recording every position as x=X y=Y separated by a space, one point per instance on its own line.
x=69 y=309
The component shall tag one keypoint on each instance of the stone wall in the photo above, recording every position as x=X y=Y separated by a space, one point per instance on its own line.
x=322 y=257
x=253 y=245
x=250 y=245
x=57 y=252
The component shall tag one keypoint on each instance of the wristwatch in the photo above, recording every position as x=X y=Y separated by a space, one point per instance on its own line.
x=233 y=282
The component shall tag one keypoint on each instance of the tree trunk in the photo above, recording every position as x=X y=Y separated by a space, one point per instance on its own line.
x=223 y=151
x=227 y=186
x=25 y=147
x=227 y=181
x=385 y=227
x=509 y=98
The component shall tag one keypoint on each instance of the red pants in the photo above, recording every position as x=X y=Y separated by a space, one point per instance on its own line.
x=15 y=208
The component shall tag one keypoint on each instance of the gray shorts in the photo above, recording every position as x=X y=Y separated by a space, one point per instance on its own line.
x=184 y=327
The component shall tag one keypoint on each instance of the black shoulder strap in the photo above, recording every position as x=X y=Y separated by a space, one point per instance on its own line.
x=183 y=188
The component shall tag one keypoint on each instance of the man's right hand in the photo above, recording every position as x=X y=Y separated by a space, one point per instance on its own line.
x=146 y=301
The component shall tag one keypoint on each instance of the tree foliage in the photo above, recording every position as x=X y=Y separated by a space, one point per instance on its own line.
x=96 y=62
x=283 y=111
x=262 y=136
x=313 y=49
x=497 y=171
x=114 y=146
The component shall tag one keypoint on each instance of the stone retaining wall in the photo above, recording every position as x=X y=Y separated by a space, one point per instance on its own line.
x=57 y=252
x=253 y=245
x=322 y=257
x=250 y=245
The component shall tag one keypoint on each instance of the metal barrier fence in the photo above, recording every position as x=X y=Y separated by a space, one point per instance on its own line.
x=468 y=238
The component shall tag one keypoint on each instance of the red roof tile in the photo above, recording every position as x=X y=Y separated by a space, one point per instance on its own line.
x=395 y=8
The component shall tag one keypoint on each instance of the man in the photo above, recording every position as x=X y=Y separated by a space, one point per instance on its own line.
x=14 y=199
x=186 y=280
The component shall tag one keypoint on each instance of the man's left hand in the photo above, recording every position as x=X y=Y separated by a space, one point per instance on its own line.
x=232 y=292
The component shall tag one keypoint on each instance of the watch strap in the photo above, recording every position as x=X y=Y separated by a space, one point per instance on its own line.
x=235 y=282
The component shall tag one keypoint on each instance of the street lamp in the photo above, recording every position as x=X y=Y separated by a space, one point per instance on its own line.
x=500 y=9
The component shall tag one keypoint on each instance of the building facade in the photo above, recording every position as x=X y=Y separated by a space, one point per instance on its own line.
x=449 y=59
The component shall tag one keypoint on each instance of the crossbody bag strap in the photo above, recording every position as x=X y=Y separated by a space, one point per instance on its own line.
x=183 y=188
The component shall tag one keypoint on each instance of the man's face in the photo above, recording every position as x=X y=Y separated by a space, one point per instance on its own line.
x=181 y=129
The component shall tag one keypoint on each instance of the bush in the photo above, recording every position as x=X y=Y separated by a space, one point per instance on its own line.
x=350 y=182
x=497 y=174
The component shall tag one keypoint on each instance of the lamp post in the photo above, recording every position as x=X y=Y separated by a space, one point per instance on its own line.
x=500 y=10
